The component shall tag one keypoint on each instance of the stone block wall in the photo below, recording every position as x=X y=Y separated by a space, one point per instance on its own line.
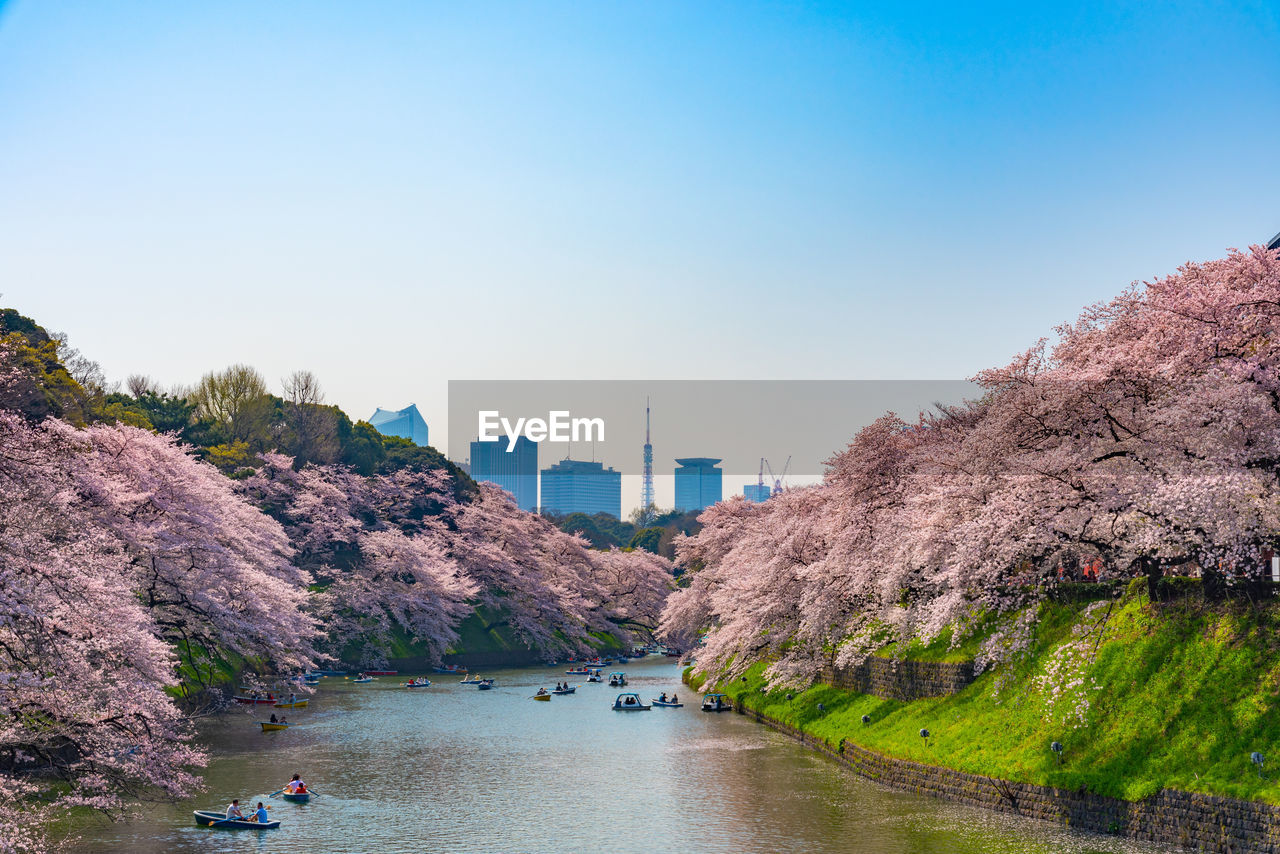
x=901 y=680
x=1199 y=822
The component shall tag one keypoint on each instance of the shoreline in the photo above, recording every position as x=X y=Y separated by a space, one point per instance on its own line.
x=1189 y=820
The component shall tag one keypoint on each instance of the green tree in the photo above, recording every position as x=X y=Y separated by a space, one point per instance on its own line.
x=236 y=405
x=647 y=539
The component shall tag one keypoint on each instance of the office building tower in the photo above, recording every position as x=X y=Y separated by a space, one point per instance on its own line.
x=515 y=470
x=698 y=483
x=578 y=486
x=406 y=423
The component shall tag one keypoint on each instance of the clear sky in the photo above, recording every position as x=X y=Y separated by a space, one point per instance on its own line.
x=398 y=194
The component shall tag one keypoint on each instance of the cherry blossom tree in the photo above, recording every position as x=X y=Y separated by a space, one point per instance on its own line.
x=214 y=572
x=1145 y=438
x=83 y=670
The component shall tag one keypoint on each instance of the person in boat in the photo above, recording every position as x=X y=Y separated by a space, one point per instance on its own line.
x=293 y=698
x=673 y=699
x=295 y=786
x=271 y=697
x=233 y=809
x=274 y=719
x=283 y=721
x=260 y=814
x=631 y=701
x=662 y=698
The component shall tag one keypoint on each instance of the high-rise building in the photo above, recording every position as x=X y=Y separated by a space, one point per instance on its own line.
x=698 y=483
x=756 y=492
x=406 y=423
x=578 y=486
x=516 y=470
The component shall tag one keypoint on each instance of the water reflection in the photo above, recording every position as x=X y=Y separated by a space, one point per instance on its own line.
x=454 y=769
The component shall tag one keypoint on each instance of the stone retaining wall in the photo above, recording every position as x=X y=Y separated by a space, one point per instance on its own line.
x=1201 y=822
x=901 y=680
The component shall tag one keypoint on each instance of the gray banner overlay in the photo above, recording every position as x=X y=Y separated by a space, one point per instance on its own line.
x=738 y=422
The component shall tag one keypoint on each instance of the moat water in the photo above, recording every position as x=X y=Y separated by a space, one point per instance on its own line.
x=454 y=769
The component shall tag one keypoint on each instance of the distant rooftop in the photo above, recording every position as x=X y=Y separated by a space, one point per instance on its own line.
x=407 y=423
x=698 y=462
x=1274 y=243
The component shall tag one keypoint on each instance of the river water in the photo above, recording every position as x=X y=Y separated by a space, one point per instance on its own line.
x=453 y=769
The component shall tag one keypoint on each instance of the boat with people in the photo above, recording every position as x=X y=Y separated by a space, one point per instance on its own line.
x=273 y=726
x=617 y=679
x=629 y=703
x=252 y=700
x=361 y=680
x=566 y=689
x=212 y=818
x=485 y=684
x=292 y=704
x=666 y=702
x=583 y=672
x=717 y=703
x=471 y=680
x=294 y=791
x=594 y=676
x=416 y=683
x=542 y=694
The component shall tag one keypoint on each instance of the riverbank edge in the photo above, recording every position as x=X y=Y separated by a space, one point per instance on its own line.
x=1195 y=821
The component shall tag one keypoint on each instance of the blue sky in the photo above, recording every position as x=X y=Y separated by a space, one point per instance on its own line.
x=398 y=194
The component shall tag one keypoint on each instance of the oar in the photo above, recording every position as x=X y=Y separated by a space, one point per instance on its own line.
x=276 y=792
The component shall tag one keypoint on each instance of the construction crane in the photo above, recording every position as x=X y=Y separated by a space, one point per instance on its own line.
x=777 y=479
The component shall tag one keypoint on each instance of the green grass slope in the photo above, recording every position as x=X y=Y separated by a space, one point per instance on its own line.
x=1141 y=697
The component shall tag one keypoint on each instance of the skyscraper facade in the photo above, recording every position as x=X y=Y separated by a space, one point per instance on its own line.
x=516 y=470
x=698 y=483
x=406 y=423
x=578 y=486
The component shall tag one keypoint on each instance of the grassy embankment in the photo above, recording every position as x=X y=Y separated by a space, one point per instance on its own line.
x=1179 y=694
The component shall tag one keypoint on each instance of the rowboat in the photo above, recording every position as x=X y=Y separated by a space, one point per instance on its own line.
x=577 y=672
x=209 y=818
x=425 y=683
x=296 y=797
x=485 y=685
x=716 y=703
x=629 y=703
x=296 y=704
x=667 y=705
x=254 y=701
x=362 y=681
x=471 y=680
x=565 y=690
x=543 y=697
x=268 y=726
